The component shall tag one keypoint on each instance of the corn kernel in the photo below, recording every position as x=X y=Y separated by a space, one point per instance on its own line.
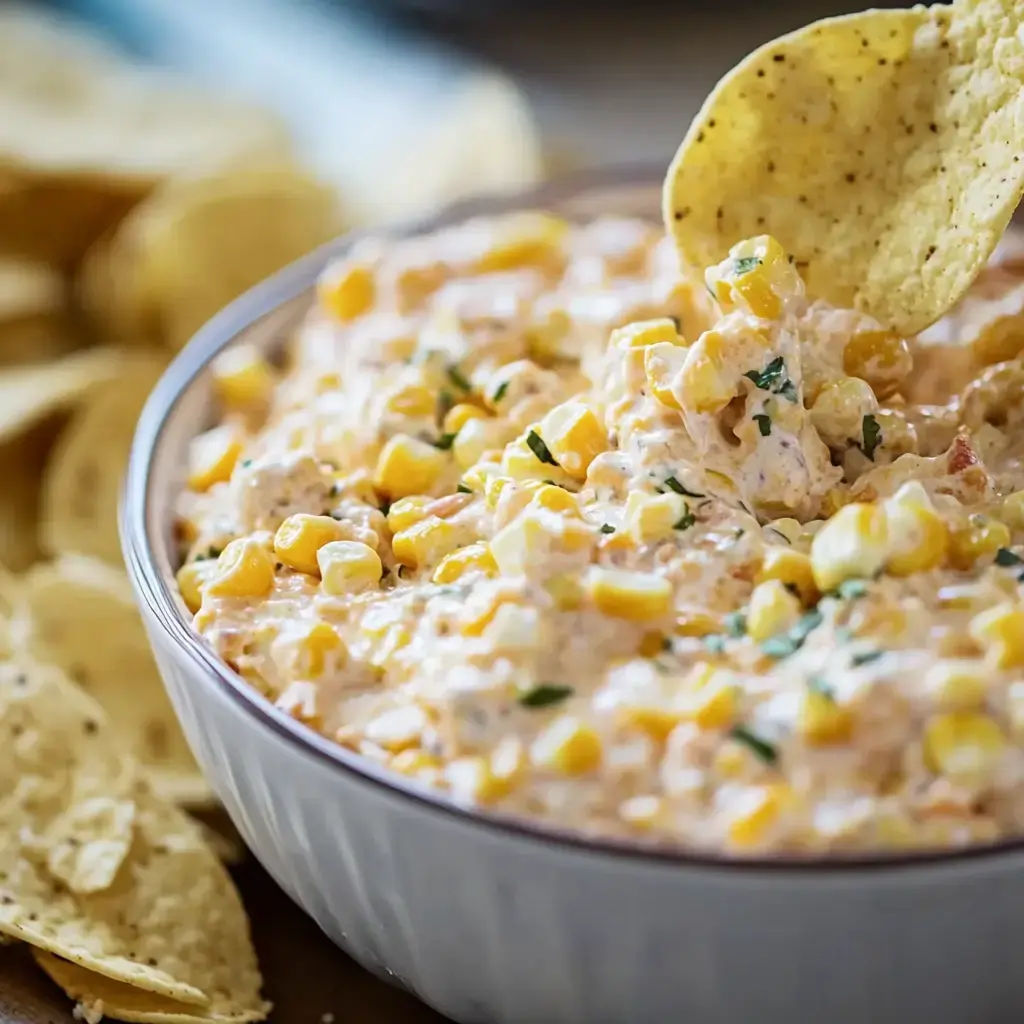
x=839 y=408
x=697 y=623
x=880 y=357
x=708 y=384
x=394 y=639
x=650 y=518
x=424 y=545
x=574 y=436
x=637 y=596
x=347 y=291
x=412 y=400
x=662 y=365
x=567 y=746
x=242 y=378
x=731 y=760
x=756 y=275
x=212 y=457
x=772 y=610
x=473 y=558
x=524 y=240
x=407 y=465
x=347 y=567
x=320 y=641
x=566 y=591
x=999 y=631
x=957 y=685
x=555 y=499
x=822 y=721
x=192 y=578
x=788 y=528
x=853 y=543
x=646 y=332
x=508 y=761
x=459 y=415
x=546 y=334
x=245 y=568
x=1012 y=510
x=408 y=512
x=918 y=537
x=710 y=700
x=397 y=729
x=754 y=812
x=301 y=536
x=963 y=746
x=476 y=439
x=655 y=722
x=979 y=537
x=528 y=540
x=412 y=761
x=471 y=779
x=791 y=568
x=643 y=811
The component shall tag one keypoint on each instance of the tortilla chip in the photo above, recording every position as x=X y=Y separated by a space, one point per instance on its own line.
x=881 y=149
x=88 y=843
x=82 y=479
x=196 y=244
x=171 y=921
x=28 y=394
x=81 y=616
x=99 y=997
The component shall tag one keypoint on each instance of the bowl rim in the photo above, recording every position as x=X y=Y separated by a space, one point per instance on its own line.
x=153 y=590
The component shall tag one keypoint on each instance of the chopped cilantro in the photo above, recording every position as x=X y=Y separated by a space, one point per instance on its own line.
x=816 y=684
x=872 y=436
x=463 y=489
x=864 y=658
x=540 y=449
x=764 y=424
x=544 y=695
x=785 y=644
x=211 y=552
x=445 y=403
x=715 y=643
x=779 y=647
x=849 y=590
x=1004 y=556
x=745 y=264
x=788 y=391
x=762 y=748
x=674 y=485
x=246 y=463
x=607 y=528
x=444 y=442
x=499 y=392
x=735 y=623
x=772 y=379
x=686 y=520
x=458 y=378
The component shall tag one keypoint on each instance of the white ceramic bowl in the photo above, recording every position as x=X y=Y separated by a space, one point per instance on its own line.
x=491 y=920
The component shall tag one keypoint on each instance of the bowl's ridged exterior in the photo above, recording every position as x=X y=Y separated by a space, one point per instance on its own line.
x=496 y=924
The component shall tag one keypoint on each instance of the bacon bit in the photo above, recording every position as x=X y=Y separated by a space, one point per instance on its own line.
x=961 y=455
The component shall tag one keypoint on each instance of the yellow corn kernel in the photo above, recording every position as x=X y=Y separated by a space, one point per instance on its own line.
x=772 y=610
x=1015 y=710
x=509 y=760
x=833 y=500
x=529 y=539
x=394 y=638
x=407 y=466
x=301 y=536
x=320 y=641
x=397 y=729
x=880 y=357
x=574 y=436
x=524 y=240
x=412 y=400
x=663 y=363
x=957 y=685
x=710 y=699
x=790 y=529
x=755 y=275
x=347 y=566
x=413 y=761
x=459 y=415
x=545 y=335
x=494 y=488
x=408 y=512
x=918 y=537
x=555 y=499
x=999 y=631
x=731 y=760
x=473 y=558
x=1012 y=510
x=471 y=779
x=476 y=439
x=567 y=746
x=646 y=332
x=192 y=578
x=755 y=812
x=708 y=384
x=655 y=722
x=650 y=518
x=963 y=745
x=979 y=537
x=697 y=623
x=212 y=457
x=652 y=643
x=839 y=408
x=852 y=544
x=242 y=378
x=637 y=596
x=822 y=721
x=566 y=591
x=520 y=461
x=245 y=568
x=424 y=545
x=791 y=568
x=643 y=811
x=347 y=290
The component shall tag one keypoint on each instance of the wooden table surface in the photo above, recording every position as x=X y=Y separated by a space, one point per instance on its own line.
x=307 y=976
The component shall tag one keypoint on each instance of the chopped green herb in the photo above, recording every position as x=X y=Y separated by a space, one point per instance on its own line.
x=445 y=403
x=745 y=264
x=540 y=449
x=666 y=644
x=735 y=624
x=849 y=590
x=674 y=485
x=458 y=378
x=715 y=643
x=816 y=684
x=545 y=695
x=785 y=644
x=463 y=489
x=764 y=424
x=779 y=534
x=245 y=463
x=771 y=379
x=444 y=442
x=844 y=635
x=686 y=520
x=864 y=658
x=762 y=748
x=872 y=436
x=499 y=392
x=788 y=391
x=607 y=528
x=205 y=556
x=401 y=571
x=779 y=647
x=1004 y=556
